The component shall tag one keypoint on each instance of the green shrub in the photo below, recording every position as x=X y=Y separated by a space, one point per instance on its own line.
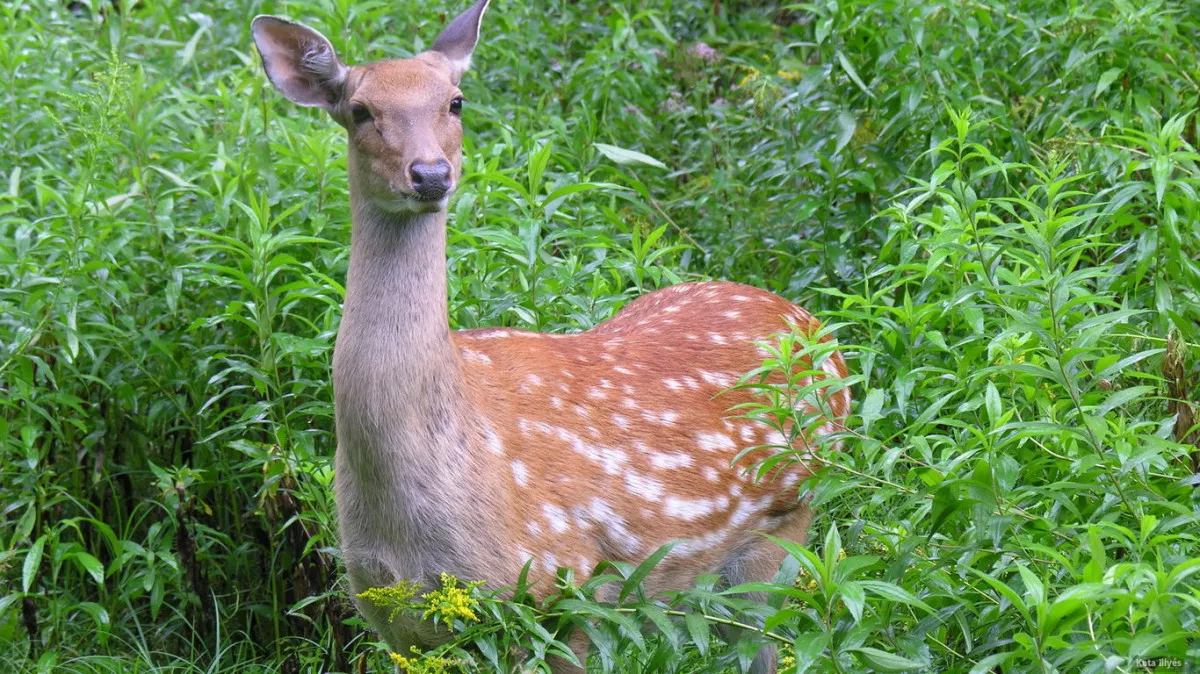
x=995 y=203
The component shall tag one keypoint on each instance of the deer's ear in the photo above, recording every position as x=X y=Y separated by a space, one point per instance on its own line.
x=299 y=61
x=458 y=40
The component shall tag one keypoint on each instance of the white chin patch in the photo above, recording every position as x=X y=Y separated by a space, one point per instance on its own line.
x=407 y=205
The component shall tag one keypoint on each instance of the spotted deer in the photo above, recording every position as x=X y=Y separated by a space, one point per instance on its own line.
x=475 y=452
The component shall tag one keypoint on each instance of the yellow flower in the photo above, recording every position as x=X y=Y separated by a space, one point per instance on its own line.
x=397 y=597
x=424 y=663
x=451 y=601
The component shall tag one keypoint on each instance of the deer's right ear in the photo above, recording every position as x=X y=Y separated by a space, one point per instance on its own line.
x=299 y=61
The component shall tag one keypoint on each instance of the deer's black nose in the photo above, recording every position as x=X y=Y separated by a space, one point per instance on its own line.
x=430 y=181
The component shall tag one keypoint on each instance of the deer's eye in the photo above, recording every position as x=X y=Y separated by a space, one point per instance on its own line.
x=360 y=114
x=456 y=105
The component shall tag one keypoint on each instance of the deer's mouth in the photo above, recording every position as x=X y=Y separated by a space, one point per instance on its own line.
x=415 y=202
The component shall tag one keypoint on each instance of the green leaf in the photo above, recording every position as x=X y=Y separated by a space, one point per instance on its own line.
x=623 y=156
x=639 y=574
x=894 y=593
x=33 y=560
x=1106 y=79
x=1122 y=397
x=808 y=649
x=664 y=624
x=991 y=400
x=855 y=600
x=846 y=128
x=871 y=408
x=884 y=661
x=849 y=68
x=698 y=629
x=91 y=565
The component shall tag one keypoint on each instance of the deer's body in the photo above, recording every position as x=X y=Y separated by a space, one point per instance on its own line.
x=474 y=452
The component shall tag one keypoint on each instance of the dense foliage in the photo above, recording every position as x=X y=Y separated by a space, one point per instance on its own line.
x=994 y=202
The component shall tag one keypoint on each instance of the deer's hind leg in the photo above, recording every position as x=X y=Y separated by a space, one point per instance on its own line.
x=758 y=560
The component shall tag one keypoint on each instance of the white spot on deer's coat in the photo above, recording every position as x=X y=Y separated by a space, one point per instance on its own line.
x=747 y=432
x=672 y=384
x=671 y=309
x=746 y=509
x=717 y=378
x=614 y=525
x=776 y=439
x=739 y=298
x=706 y=542
x=711 y=474
x=630 y=403
x=528 y=426
x=520 y=473
x=628 y=389
x=556 y=402
x=494 y=444
x=534 y=528
x=608 y=458
x=581 y=411
x=556 y=517
x=691 y=382
x=732 y=314
x=476 y=357
x=666 y=417
x=596 y=394
x=523 y=555
x=664 y=461
x=688 y=509
x=550 y=562
x=622 y=369
x=714 y=442
x=643 y=486
x=490 y=334
x=533 y=379
x=621 y=421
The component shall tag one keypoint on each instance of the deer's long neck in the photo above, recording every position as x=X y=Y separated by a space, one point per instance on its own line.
x=395 y=362
x=408 y=479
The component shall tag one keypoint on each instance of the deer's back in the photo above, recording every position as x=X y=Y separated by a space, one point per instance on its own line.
x=615 y=440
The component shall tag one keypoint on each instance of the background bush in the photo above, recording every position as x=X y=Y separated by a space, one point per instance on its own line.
x=996 y=203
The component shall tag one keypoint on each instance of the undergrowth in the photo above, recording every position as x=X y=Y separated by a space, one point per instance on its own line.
x=995 y=204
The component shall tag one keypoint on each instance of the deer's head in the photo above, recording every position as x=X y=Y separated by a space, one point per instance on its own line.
x=401 y=116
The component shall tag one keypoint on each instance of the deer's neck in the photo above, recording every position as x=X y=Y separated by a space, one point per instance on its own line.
x=407 y=478
x=394 y=361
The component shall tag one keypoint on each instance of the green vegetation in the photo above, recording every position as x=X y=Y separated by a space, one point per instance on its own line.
x=994 y=202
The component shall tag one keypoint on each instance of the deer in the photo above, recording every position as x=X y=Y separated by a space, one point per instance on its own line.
x=479 y=452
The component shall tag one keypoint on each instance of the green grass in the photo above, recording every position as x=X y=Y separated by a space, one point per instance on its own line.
x=995 y=202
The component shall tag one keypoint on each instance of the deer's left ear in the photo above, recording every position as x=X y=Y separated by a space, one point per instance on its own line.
x=457 y=40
